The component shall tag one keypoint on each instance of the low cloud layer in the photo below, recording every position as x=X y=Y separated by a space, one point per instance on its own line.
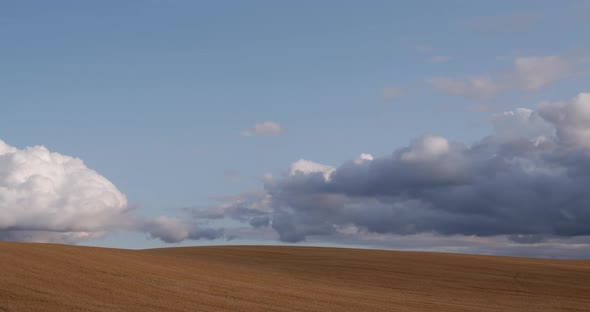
x=526 y=182
x=526 y=74
x=50 y=197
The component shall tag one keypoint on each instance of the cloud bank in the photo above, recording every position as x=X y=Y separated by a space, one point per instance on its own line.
x=527 y=182
x=524 y=185
x=50 y=197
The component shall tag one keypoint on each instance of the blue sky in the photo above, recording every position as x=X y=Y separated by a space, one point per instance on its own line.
x=153 y=95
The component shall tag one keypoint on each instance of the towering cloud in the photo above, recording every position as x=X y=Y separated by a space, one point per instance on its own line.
x=47 y=196
x=528 y=181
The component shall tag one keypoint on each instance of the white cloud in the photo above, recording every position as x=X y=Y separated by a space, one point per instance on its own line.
x=303 y=166
x=363 y=158
x=521 y=122
x=526 y=74
x=571 y=120
x=426 y=148
x=267 y=128
x=52 y=197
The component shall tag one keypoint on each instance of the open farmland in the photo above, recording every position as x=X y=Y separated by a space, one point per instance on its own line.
x=43 y=277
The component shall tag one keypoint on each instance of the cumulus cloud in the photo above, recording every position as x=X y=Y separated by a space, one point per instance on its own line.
x=305 y=167
x=267 y=128
x=50 y=197
x=571 y=120
x=527 y=182
x=526 y=74
x=521 y=122
x=53 y=196
x=364 y=157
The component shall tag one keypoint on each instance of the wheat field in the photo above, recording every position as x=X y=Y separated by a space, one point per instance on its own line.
x=44 y=277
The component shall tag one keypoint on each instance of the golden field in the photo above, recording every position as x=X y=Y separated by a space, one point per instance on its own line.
x=44 y=277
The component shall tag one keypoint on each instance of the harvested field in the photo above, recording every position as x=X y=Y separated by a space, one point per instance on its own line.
x=43 y=277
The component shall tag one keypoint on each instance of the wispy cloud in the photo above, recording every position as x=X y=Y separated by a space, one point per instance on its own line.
x=267 y=128
x=503 y=24
x=436 y=59
x=423 y=48
x=390 y=93
x=473 y=87
x=526 y=74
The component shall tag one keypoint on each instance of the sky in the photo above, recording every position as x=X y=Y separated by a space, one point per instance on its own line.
x=458 y=126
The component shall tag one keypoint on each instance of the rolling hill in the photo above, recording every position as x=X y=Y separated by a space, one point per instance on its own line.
x=44 y=277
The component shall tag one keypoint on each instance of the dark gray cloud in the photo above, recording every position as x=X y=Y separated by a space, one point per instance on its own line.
x=528 y=182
